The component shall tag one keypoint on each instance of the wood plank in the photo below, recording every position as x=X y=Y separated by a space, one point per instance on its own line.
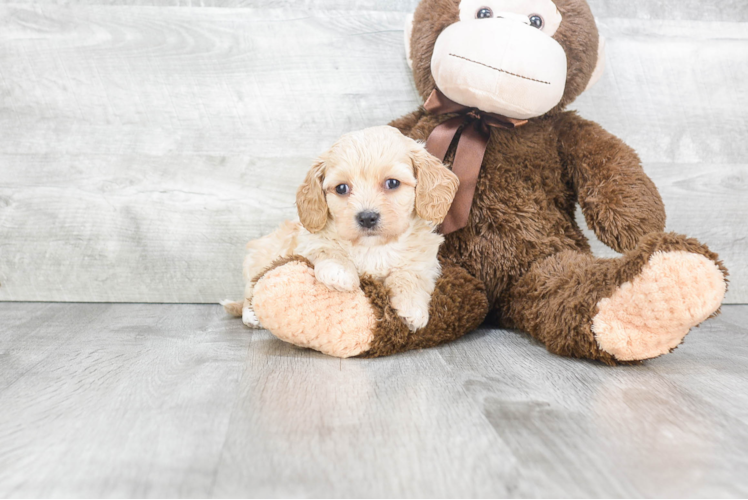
x=32 y=333
x=126 y=401
x=136 y=228
x=217 y=81
x=134 y=400
x=306 y=425
x=669 y=428
x=290 y=6
x=692 y=10
x=673 y=89
x=695 y=10
x=142 y=146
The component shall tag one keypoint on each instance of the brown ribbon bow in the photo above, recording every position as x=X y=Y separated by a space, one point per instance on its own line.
x=475 y=127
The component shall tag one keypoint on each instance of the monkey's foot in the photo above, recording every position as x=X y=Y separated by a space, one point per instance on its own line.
x=650 y=315
x=298 y=309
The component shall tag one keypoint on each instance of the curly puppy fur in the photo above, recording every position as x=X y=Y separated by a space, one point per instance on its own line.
x=370 y=205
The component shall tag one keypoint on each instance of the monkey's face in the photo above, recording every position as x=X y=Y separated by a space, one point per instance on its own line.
x=517 y=58
x=500 y=57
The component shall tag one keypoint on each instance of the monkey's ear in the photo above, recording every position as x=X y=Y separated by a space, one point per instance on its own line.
x=310 y=199
x=408 y=33
x=436 y=186
x=600 y=66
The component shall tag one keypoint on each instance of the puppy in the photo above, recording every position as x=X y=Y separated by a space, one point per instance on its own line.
x=370 y=205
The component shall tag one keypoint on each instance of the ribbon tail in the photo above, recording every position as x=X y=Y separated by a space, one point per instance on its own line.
x=442 y=136
x=467 y=164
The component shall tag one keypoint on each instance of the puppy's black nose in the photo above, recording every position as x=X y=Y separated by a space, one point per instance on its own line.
x=367 y=219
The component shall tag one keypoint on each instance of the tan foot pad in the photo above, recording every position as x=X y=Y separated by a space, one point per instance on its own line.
x=298 y=309
x=650 y=315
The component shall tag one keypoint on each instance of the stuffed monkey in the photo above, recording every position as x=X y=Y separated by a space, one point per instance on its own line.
x=496 y=77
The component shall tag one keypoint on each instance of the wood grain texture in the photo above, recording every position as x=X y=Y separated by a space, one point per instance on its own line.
x=144 y=142
x=114 y=401
x=136 y=400
x=722 y=10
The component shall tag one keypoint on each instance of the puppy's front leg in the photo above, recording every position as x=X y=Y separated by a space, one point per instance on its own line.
x=410 y=295
x=337 y=274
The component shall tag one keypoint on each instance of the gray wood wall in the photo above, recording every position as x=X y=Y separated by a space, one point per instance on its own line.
x=143 y=142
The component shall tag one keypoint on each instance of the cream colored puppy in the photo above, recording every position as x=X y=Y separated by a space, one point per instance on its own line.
x=370 y=205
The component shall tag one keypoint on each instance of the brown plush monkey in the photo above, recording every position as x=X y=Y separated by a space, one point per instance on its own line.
x=497 y=76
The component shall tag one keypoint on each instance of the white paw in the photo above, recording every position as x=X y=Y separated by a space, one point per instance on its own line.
x=336 y=276
x=413 y=311
x=250 y=319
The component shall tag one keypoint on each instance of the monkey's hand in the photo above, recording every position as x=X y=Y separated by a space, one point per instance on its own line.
x=620 y=203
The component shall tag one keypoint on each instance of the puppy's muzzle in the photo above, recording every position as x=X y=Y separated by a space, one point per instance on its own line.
x=367 y=220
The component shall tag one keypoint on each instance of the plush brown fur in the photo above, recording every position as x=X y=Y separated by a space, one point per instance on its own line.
x=526 y=195
x=457 y=307
x=556 y=299
x=522 y=240
x=522 y=255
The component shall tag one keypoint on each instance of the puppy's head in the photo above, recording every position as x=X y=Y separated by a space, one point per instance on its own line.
x=372 y=183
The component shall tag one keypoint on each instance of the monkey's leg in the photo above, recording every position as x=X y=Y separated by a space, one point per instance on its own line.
x=296 y=308
x=629 y=309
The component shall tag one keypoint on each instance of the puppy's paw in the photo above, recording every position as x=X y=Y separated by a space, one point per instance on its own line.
x=413 y=310
x=336 y=276
x=250 y=319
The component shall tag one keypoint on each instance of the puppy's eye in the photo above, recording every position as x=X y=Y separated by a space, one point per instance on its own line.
x=342 y=189
x=484 y=13
x=536 y=21
x=392 y=183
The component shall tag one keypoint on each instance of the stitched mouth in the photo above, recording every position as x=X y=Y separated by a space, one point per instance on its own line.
x=500 y=70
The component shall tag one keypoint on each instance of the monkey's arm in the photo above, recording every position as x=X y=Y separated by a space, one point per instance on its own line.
x=620 y=203
x=296 y=308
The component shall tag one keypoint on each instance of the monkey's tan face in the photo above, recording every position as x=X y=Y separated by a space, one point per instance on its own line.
x=371 y=200
x=500 y=57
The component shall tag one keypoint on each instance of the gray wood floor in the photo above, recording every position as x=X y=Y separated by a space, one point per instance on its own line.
x=179 y=400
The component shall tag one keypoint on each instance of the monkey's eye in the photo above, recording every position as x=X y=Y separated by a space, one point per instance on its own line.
x=484 y=13
x=392 y=183
x=342 y=189
x=536 y=21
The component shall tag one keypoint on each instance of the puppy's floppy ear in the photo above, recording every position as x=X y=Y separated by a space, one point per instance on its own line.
x=310 y=199
x=436 y=187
